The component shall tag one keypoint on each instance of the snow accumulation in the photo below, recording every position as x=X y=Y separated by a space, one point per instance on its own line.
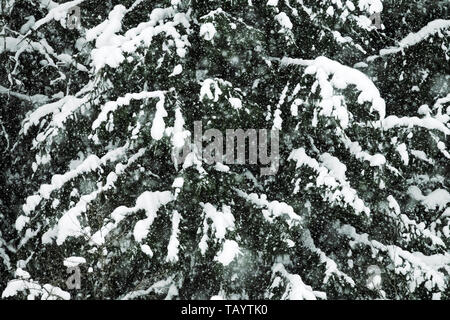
x=207 y=31
x=426 y=122
x=22 y=221
x=158 y=125
x=437 y=198
x=236 y=103
x=372 y=6
x=58 y=13
x=336 y=167
x=178 y=182
x=148 y=201
x=332 y=175
x=393 y=204
x=159 y=286
x=22 y=274
x=16 y=286
x=74 y=261
x=271 y=209
x=432 y=28
x=205 y=90
x=111 y=47
x=411 y=224
x=330 y=11
x=191 y=160
x=295 y=61
x=178 y=134
x=354 y=147
x=296 y=289
x=350 y=5
x=277 y=120
x=403 y=260
x=421 y=155
x=177 y=70
x=343 y=76
x=401 y=149
x=221 y=222
x=68 y=224
x=294 y=106
x=147 y=250
x=172 y=248
x=91 y=163
x=60 y=109
x=84 y=201
x=107 y=51
x=221 y=167
x=340 y=39
x=229 y=252
x=47 y=291
x=284 y=20
x=330 y=265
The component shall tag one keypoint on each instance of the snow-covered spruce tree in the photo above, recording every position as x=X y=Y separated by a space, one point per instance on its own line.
x=362 y=176
x=36 y=67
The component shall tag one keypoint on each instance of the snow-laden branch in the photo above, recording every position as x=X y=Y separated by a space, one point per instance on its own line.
x=148 y=201
x=295 y=288
x=407 y=224
x=343 y=76
x=272 y=209
x=58 y=13
x=405 y=262
x=24 y=283
x=437 y=26
x=375 y=160
x=60 y=110
x=111 y=47
x=331 y=174
x=221 y=222
x=91 y=163
x=34 y=99
x=158 y=125
x=68 y=224
x=330 y=264
x=159 y=287
x=426 y=122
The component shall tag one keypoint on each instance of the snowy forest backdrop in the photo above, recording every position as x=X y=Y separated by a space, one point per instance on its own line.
x=91 y=115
